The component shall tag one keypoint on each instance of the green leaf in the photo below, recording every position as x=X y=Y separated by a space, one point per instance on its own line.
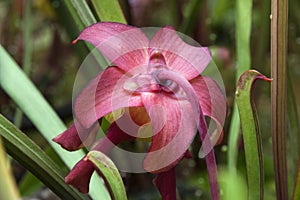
x=110 y=172
x=109 y=10
x=29 y=184
x=17 y=85
x=296 y=194
x=83 y=17
x=80 y=12
x=243 y=30
x=232 y=184
x=251 y=133
x=26 y=152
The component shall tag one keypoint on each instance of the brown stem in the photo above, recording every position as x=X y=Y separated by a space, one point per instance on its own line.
x=279 y=22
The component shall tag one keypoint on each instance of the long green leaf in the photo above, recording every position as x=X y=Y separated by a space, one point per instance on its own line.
x=109 y=10
x=110 y=172
x=251 y=133
x=243 y=30
x=83 y=17
x=80 y=12
x=29 y=183
x=26 y=152
x=16 y=84
x=279 y=29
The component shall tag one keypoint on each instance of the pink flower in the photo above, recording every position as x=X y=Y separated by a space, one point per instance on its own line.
x=159 y=80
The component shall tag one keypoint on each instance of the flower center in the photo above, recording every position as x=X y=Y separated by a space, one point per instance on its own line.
x=149 y=82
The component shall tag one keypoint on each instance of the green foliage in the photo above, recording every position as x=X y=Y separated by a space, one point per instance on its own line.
x=110 y=172
x=240 y=27
x=296 y=194
x=251 y=134
x=243 y=29
x=104 y=11
x=24 y=93
x=25 y=151
x=233 y=186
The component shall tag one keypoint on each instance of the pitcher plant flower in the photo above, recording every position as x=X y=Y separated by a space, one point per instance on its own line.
x=157 y=81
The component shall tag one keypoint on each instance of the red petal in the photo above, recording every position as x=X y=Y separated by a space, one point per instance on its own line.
x=212 y=101
x=125 y=46
x=174 y=127
x=103 y=95
x=80 y=175
x=166 y=184
x=183 y=58
x=76 y=136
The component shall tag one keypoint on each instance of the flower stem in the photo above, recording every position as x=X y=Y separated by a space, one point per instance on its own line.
x=27 y=55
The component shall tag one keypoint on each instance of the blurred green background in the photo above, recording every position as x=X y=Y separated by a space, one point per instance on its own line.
x=55 y=61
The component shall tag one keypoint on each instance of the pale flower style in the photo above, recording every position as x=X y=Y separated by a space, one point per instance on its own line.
x=159 y=80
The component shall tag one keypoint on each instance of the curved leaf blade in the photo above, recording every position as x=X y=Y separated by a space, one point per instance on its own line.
x=110 y=172
x=25 y=151
x=19 y=87
x=251 y=133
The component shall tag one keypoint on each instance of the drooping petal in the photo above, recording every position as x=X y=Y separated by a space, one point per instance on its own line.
x=103 y=95
x=212 y=101
x=80 y=175
x=125 y=46
x=75 y=137
x=174 y=128
x=183 y=58
x=166 y=184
